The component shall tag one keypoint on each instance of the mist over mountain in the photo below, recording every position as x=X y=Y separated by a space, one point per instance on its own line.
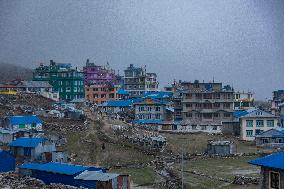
x=10 y=72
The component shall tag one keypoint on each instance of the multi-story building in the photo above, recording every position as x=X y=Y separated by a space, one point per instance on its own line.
x=137 y=81
x=255 y=122
x=101 y=83
x=206 y=105
x=101 y=93
x=278 y=97
x=152 y=111
x=243 y=100
x=63 y=78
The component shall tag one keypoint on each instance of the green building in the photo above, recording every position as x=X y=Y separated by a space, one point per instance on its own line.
x=67 y=81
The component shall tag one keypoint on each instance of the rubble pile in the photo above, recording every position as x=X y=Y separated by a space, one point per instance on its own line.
x=242 y=180
x=13 y=181
x=63 y=126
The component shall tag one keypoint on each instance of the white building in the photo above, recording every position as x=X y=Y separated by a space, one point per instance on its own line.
x=255 y=122
x=243 y=100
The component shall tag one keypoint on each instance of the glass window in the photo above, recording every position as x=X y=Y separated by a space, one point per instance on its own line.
x=259 y=123
x=249 y=123
x=33 y=125
x=270 y=123
x=274 y=180
x=249 y=133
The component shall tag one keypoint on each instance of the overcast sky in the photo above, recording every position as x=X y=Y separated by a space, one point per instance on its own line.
x=237 y=42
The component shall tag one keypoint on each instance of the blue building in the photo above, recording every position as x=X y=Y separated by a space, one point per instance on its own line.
x=56 y=172
x=7 y=161
x=23 y=123
x=31 y=148
x=272 y=170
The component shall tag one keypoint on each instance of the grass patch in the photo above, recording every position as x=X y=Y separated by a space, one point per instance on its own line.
x=143 y=176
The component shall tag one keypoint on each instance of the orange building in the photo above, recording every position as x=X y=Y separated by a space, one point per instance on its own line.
x=101 y=93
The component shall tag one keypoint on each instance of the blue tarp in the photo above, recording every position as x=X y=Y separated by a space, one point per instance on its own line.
x=16 y=120
x=7 y=161
x=26 y=142
x=275 y=160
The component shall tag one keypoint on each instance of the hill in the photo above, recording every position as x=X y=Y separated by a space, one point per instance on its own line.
x=10 y=72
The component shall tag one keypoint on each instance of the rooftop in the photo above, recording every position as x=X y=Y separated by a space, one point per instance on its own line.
x=96 y=176
x=16 y=120
x=272 y=161
x=26 y=142
x=61 y=168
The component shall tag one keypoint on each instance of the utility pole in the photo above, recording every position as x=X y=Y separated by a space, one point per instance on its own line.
x=182 y=164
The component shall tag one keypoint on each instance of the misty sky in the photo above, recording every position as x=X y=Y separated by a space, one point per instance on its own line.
x=236 y=42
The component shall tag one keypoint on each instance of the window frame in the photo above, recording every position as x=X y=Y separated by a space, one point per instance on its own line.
x=270 y=179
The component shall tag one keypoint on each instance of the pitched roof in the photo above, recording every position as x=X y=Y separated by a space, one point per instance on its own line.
x=34 y=84
x=16 y=120
x=61 y=168
x=26 y=142
x=275 y=160
x=258 y=113
x=96 y=175
x=148 y=121
x=149 y=100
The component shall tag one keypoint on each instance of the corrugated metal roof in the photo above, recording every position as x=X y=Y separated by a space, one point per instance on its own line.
x=96 y=176
x=34 y=84
x=26 y=142
x=118 y=103
x=146 y=121
x=158 y=94
x=60 y=168
x=275 y=160
x=16 y=120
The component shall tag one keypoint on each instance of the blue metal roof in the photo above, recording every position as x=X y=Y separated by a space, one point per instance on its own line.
x=60 y=168
x=118 y=103
x=122 y=92
x=148 y=121
x=275 y=160
x=26 y=142
x=158 y=94
x=16 y=120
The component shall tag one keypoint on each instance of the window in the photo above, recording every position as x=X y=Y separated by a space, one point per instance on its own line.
x=227 y=105
x=158 y=108
x=217 y=105
x=95 y=89
x=203 y=127
x=141 y=108
x=216 y=114
x=227 y=115
x=188 y=114
x=249 y=123
x=158 y=116
x=188 y=105
x=259 y=123
x=215 y=127
x=22 y=126
x=270 y=123
x=258 y=131
x=193 y=127
x=274 y=180
x=33 y=125
x=149 y=108
x=249 y=133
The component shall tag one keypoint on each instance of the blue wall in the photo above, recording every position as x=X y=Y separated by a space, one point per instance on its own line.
x=7 y=162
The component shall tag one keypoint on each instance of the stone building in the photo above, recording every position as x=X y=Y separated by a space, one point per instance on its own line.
x=137 y=81
x=206 y=105
x=63 y=78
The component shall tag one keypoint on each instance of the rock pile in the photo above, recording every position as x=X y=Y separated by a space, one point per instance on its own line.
x=242 y=180
x=13 y=181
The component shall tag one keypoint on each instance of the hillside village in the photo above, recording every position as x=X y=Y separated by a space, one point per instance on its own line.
x=93 y=128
